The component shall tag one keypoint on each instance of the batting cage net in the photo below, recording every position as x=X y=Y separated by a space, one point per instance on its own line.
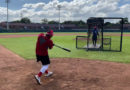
x=113 y=32
x=103 y=34
x=81 y=42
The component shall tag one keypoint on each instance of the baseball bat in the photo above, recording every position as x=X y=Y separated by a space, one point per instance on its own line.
x=62 y=48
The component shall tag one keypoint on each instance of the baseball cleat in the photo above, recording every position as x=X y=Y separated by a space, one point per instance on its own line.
x=37 y=79
x=49 y=74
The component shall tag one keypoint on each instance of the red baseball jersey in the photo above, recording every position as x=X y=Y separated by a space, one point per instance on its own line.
x=42 y=45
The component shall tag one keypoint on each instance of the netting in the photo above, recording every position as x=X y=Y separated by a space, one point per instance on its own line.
x=81 y=42
x=103 y=34
x=112 y=30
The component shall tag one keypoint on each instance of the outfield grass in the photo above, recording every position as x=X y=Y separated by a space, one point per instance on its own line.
x=25 y=47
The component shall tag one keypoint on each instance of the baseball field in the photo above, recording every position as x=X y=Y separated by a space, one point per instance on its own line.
x=75 y=70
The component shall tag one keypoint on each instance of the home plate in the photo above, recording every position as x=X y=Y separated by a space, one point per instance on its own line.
x=92 y=46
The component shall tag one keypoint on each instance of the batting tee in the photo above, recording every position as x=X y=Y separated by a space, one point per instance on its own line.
x=110 y=33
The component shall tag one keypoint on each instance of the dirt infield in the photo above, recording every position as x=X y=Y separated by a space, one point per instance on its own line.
x=69 y=74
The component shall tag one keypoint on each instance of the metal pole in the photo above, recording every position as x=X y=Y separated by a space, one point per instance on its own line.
x=102 y=31
x=59 y=19
x=7 y=1
x=122 y=23
x=59 y=8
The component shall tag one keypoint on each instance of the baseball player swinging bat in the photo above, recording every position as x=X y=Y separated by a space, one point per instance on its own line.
x=62 y=48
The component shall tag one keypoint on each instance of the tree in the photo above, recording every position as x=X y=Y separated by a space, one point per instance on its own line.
x=68 y=22
x=107 y=23
x=44 y=21
x=79 y=23
x=52 y=22
x=125 y=21
x=25 y=20
x=17 y=21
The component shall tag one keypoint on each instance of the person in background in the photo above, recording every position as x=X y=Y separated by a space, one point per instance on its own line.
x=94 y=37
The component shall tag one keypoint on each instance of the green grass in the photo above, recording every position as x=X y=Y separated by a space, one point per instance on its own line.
x=25 y=47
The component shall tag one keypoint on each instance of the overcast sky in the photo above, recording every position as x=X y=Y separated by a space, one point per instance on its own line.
x=36 y=10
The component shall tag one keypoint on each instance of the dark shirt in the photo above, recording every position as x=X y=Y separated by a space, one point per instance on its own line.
x=95 y=33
